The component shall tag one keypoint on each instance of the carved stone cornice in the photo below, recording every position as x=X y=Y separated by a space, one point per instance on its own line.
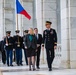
x=27 y=0
x=8 y=8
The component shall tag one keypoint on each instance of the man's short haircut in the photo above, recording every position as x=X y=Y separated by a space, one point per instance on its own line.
x=35 y=28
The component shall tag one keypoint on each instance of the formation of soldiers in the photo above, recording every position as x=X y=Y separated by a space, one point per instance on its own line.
x=11 y=47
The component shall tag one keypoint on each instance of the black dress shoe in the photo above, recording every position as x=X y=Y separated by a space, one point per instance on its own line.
x=38 y=67
x=7 y=65
x=21 y=64
x=50 y=69
x=34 y=69
x=29 y=69
x=18 y=64
x=26 y=64
x=11 y=65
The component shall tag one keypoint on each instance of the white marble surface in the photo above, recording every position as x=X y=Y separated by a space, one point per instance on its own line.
x=43 y=71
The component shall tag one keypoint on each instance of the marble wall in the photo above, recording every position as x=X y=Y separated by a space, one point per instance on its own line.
x=28 y=5
x=49 y=11
x=68 y=29
x=9 y=16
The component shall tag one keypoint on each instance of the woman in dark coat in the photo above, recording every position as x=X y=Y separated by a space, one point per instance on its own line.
x=30 y=43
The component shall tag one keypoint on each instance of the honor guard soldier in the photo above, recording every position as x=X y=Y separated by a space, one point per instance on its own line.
x=50 y=40
x=18 y=44
x=25 y=33
x=8 y=41
x=3 y=52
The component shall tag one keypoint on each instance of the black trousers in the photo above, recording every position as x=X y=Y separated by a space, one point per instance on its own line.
x=25 y=54
x=3 y=56
x=50 y=56
x=38 y=56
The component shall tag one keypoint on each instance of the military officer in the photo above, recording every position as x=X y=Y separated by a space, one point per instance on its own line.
x=50 y=40
x=18 y=44
x=8 y=41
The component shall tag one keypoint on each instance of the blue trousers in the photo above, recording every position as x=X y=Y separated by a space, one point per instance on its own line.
x=19 y=56
x=9 y=56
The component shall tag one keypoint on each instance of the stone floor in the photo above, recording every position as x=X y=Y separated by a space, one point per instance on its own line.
x=23 y=70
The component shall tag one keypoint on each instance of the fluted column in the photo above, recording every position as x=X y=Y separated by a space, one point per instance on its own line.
x=72 y=10
x=68 y=30
x=1 y=20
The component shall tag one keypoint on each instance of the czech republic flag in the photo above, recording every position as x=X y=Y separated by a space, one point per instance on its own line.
x=21 y=10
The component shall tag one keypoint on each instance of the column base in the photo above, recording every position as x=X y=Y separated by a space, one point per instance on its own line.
x=73 y=64
x=68 y=64
x=65 y=64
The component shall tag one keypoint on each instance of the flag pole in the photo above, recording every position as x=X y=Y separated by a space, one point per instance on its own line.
x=16 y=16
x=16 y=21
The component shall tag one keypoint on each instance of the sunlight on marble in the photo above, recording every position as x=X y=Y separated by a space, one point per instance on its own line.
x=23 y=70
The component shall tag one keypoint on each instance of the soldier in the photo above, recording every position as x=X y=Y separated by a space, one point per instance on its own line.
x=25 y=33
x=50 y=40
x=8 y=41
x=3 y=51
x=39 y=42
x=18 y=44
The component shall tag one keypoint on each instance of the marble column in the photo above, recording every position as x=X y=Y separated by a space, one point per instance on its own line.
x=65 y=39
x=68 y=30
x=39 y=19
x=9 y=16
x=39 y=15
x=1 y=20
x=72 y=7
x=49 y=12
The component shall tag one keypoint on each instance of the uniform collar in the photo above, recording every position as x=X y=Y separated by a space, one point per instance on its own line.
x=48 y=29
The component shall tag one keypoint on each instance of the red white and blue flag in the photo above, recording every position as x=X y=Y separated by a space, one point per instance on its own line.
x=21 y=10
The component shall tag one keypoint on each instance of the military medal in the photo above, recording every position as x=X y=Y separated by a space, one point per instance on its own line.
x=51 y=32
x=45 y=33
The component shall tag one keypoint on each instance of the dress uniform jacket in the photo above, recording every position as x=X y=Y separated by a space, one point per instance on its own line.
x=3 y=51
x=10 y=43
x=18 y=44
x=50 y=38
x=18 y=40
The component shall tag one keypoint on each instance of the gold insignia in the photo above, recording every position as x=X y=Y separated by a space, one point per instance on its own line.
x=55 y=43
